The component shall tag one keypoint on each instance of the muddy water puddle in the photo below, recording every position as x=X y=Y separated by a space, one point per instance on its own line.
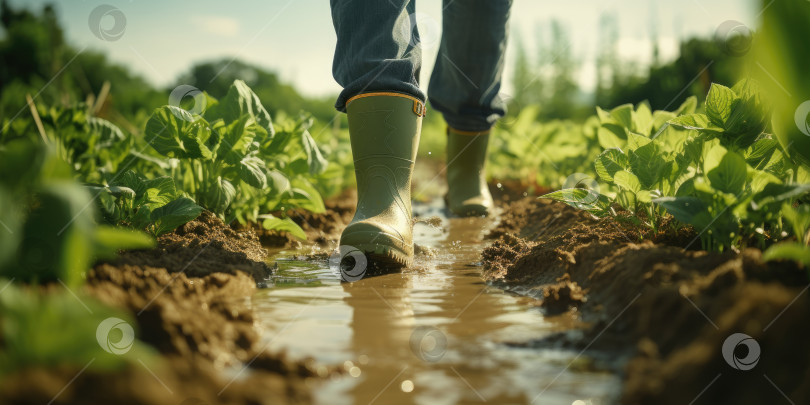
x=433 y=334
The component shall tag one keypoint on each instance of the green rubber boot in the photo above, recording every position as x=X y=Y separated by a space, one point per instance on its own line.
x=384 y=130
x=467 y=191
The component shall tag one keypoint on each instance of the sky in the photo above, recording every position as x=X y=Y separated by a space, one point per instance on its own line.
x=164 y=38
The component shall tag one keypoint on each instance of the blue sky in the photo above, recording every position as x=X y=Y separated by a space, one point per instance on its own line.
x=295 y=37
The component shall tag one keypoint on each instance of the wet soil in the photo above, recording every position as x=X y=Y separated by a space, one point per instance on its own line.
x=190 y=298
x=659 y=312
x=433 y=333
x=647 y=308
x=202 y=247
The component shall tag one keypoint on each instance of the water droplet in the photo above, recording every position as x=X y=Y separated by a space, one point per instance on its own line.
x=354 y=372
x=407 y=386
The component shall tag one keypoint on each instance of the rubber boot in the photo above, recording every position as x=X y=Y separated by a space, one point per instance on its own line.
x=384 y=129
x=467 y=191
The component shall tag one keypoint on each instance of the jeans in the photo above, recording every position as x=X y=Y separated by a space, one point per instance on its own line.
x=378 y=49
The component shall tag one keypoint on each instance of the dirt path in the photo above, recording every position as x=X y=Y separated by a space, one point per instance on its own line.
x=432 y=334
x=570 y=304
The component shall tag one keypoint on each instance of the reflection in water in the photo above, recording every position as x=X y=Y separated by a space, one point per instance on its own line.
x=431 y=334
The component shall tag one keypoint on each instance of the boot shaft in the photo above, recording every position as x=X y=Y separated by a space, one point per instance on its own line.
x=384 y=130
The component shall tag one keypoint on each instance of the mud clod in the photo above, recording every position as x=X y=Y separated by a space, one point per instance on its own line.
x=661 y=312
x=204 y=246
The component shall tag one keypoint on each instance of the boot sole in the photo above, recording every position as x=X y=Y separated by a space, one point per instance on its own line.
x=381 y=256
x=468 y=210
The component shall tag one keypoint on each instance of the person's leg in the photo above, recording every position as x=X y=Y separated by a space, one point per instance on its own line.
x=464 y=87
x=376 y=49
x=377 y=62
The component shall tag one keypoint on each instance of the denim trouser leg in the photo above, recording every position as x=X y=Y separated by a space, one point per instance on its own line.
x=467 y=76
x=375 y=50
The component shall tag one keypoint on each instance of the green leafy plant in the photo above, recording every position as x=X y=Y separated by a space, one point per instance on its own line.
x=151 y=204
x=232 y=161
x=47 y=219
x=718 y=171
x=93 y=147
x=639 y=162
x=55 y=329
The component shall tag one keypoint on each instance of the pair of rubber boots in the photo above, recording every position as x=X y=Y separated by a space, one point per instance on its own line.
x=384 y=130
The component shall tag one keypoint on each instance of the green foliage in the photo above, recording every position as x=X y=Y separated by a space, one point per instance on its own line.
x=719 y=170
x=734 y=116
x=46 y=219
x=56 y=329
x=216 y=77
x=542 y=152
x=234 y=162
x=92 y=146
x=154 y=205
x=789 y=251
x=781 y=59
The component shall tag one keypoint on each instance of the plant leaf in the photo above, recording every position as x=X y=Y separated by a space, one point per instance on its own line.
x=109 y=240
x=272 y=223
x=317 y=164
x=609 y=162
x=238 y=102
x=583 y=199
x=689 y=210
x=251 y=171
x=777 y=193
x=688 y=107
x=730 y=174
x=719 y=103
x=623 y=115
x=175 y=133
x=178 y=212
x=219 y=196
x=627 y=181
x=788 y=251
x=648 y=163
